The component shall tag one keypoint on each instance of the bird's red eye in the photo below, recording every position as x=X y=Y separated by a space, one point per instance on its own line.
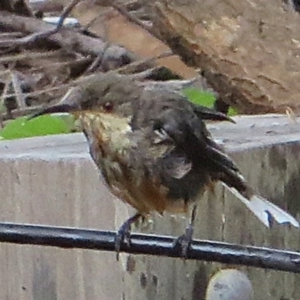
x=108 y=106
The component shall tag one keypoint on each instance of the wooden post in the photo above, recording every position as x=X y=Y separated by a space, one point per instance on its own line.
x=52 y=180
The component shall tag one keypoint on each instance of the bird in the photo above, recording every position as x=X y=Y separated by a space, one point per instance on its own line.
x=155 y=152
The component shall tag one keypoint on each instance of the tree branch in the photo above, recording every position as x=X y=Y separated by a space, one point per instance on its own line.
x=67 y=39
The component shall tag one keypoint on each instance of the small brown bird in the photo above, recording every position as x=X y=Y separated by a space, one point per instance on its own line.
x=154 y=150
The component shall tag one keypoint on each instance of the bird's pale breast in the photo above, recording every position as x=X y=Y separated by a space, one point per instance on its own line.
x=116 y=154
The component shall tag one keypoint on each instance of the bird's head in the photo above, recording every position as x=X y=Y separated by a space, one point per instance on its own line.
x=101 y=94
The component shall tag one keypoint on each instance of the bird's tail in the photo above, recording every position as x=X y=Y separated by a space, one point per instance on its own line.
x=264 y=210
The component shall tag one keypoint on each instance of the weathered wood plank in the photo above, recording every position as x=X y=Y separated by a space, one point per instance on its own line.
x=52 y=180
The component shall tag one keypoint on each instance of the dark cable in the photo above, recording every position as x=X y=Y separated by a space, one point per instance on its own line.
x=150 y=245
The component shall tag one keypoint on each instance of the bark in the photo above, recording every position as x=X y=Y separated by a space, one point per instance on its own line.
x=247 y=50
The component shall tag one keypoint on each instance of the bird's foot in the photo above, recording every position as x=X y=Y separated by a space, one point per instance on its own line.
x=183 y=242
x=123 y=234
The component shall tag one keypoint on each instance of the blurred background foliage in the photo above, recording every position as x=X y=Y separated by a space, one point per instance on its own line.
x=44 y=125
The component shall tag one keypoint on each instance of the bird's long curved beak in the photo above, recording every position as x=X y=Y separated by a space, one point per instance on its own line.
x=59 y=108
x=70 y=103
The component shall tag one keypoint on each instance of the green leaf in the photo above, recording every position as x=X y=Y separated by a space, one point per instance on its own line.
x=232 y=112
x=43 y=125
x=204 y=98
x=200 y=97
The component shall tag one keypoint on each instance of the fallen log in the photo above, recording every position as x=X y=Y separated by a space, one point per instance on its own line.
x=247 y=50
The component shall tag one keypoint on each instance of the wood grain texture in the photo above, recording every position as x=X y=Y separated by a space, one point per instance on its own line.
x=247 y=50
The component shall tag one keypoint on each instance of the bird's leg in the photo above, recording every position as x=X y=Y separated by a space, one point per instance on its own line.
x=123 y=234
x=184 y=241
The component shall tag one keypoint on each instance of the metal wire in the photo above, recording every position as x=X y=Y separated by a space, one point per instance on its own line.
x=150 y=245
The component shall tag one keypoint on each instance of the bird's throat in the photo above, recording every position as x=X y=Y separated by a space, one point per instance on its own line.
x=111 y=132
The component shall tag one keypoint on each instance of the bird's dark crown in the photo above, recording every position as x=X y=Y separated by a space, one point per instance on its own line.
x=103 y=93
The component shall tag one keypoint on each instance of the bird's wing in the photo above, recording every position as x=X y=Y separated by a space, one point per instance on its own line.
x=188 y=132
x=179 y=122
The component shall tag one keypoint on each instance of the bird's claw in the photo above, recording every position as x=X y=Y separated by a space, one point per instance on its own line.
x=122 y=237
x=183 y=242
x=123 y=234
